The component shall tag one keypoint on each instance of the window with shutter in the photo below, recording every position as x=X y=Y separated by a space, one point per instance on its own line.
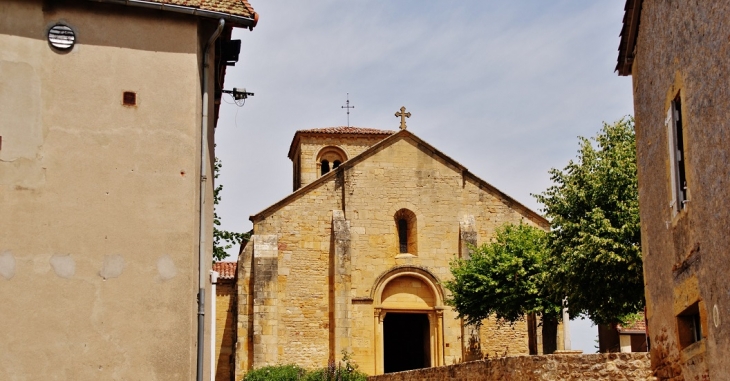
x=677 y=173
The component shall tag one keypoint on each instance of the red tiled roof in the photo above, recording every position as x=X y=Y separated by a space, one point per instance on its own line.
x=348 y=130
x=226 y=270
x=638 y=326
x=234 y=7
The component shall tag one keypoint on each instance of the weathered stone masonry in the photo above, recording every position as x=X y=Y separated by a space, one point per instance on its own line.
x=595 y=367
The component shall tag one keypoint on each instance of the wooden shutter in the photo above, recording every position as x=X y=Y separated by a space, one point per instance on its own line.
x=671 y=141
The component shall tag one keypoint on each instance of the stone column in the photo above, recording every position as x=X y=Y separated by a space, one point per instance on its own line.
x=440 y=348
x=379 y=316
x=265 y=300
x=566 y=325
x=341 y=281
x=470 y=339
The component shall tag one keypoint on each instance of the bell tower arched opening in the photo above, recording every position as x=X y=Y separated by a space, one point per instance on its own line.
x=329 y=158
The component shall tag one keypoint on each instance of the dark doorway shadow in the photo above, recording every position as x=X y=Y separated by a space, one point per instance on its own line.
x=406 y=342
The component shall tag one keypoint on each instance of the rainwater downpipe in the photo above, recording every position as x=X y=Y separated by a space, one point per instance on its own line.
x=202 y=244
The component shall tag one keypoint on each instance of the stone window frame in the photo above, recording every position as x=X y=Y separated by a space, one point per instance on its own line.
x=435 y=313
x=411 y=231
x=331 y=154
x=676 y=149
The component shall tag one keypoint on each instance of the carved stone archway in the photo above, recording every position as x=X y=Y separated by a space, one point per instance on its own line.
x=425 y=297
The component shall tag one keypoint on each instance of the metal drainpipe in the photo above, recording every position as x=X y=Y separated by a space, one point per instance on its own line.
x=203 y=182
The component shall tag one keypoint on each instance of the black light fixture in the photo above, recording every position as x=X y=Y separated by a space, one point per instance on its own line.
x=230 y=51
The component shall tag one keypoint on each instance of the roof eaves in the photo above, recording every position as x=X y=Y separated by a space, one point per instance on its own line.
x=299 y=192
x=245 y=21
x=629 y=34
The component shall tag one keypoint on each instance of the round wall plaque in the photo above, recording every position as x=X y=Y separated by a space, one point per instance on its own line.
x=61 y=37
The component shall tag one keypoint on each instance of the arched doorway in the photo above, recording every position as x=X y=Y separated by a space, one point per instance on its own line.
x=408 y=320
x=407 y=342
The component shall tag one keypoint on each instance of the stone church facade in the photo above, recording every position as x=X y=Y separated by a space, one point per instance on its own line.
x=355 y=258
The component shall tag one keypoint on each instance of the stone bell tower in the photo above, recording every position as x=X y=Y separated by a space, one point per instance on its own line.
x=317 y=151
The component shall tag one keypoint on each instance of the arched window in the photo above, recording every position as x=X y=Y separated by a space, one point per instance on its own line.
x=329 y=158
x=406 y=227
x=403 y=235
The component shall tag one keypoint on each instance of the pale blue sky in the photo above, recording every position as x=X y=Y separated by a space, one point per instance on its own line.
x=503 y=87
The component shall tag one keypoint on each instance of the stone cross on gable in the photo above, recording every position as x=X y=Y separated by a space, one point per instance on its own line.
x=403 y=115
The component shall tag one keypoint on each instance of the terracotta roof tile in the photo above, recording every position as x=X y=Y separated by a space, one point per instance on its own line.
x=235 y=7
x=638 y=326
x=226 y=270
x=348 y=130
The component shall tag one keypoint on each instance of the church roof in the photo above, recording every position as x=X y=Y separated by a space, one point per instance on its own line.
x=225 y=270
x=348 y=130
x=377 y=147
x=339 y=130
x=240 y=12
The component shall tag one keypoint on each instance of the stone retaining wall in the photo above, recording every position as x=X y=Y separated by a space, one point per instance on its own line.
x=604 y=366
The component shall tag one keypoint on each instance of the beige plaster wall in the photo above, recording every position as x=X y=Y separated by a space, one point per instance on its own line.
x=402 y=174
x=683 y=47
x=98 y=235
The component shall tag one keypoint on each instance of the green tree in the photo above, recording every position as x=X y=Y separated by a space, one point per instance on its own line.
x=507 y=278
x=595 y=240
x=222 y=239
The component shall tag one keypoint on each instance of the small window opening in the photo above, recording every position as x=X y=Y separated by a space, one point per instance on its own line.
x=129 y=98
x=335 y=164
x=680 y=153
x=325 y=167
x=406 y=228
x=403 y=235
x=689 y=326
x=677 y=155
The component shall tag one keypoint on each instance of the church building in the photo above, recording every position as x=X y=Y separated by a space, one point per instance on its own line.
x=355 y=258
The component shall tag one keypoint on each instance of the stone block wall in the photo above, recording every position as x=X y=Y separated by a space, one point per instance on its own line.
x=593 y=367
x=225 y=305
x=310 y=146
x=337 y=239
x=681 y=54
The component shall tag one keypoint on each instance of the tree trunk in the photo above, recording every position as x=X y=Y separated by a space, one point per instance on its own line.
x=549 y=335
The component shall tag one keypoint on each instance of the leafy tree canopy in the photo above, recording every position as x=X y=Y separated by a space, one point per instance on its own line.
x=222 y=239
x=506 y=277
x=595 y=239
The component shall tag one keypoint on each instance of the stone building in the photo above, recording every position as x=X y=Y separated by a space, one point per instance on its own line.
x=623 y=338
x=225 y=317
x=355 y=258
x=105 y=108
x=677 y=54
